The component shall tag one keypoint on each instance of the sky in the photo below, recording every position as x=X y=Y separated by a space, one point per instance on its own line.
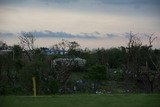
x=104 y=22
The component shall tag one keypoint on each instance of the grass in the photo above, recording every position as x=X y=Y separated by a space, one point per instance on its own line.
x=83 y=100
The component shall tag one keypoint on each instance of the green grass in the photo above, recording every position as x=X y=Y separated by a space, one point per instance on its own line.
x=83 y=100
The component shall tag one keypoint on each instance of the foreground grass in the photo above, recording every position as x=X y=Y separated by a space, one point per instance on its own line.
x=84 y=100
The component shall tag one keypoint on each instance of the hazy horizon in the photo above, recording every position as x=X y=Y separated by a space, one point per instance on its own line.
x=89 y=40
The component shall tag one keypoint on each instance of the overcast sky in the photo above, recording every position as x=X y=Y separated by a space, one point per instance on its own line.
x=80 y=16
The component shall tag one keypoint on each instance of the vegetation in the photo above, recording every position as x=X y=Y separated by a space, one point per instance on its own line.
x=131 y=69
x=83 y=100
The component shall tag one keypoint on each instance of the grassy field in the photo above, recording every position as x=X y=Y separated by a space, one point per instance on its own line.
x=83 y=100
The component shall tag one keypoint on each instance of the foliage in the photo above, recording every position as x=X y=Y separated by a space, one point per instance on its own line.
x=97 y=73
x=136 y=64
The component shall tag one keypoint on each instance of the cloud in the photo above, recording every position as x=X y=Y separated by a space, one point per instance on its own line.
x=10 y=2
x=112 y=36
x=94 y=35
x=81 y=2
x=35 y=2
x=51 y=34
x=5 y=35
x=58 y=1
x=130 y=1
x=120 y=7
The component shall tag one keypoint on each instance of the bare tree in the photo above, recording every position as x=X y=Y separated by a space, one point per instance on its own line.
x=138 y=57
x=27 y=41
x=66 y=46
x=134 y=40
x=151 y=39
x=73 y=45
x=155 y=63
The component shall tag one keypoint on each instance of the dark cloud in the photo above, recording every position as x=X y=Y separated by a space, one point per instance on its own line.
x=155 y=2
x=111 y=36
x=94 y=35
x=35 y=2
x=51 y=34
x=130 y=1
x=5 y=35
x=121 y=7
x=3 y=2
x=59 y=1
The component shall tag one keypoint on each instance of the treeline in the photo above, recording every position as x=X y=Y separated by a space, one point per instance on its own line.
x=135 y=68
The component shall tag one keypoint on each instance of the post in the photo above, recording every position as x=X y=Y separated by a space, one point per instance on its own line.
x=34 y=86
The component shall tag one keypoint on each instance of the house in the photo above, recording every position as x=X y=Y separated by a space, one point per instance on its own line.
x=52 y=51
x=69 y=61
x=5 y=51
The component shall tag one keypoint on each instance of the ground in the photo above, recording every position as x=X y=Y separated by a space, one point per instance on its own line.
x=83 y=100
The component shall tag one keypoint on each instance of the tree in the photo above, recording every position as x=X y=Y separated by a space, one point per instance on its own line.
x=63 y=68
x=8 y=73
x=73 y=45
x=97 y=73
x=66 y=46
x=3 y=45
x=138 y=66
x=27 y=41
x=17 y=52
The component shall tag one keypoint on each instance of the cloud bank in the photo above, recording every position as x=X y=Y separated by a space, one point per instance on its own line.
x=85 y=1
x=48 y=38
